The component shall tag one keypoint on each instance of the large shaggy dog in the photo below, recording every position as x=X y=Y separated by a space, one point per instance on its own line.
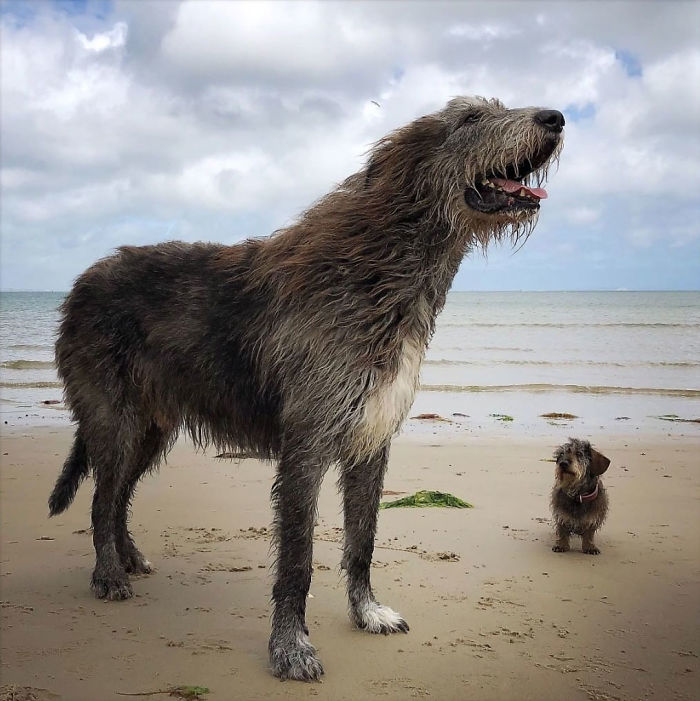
x=304 y=347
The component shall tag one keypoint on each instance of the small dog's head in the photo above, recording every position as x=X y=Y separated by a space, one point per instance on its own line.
x=578 y=466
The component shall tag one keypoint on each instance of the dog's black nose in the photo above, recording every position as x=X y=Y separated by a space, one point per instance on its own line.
x=564 y=464
x=552 y=120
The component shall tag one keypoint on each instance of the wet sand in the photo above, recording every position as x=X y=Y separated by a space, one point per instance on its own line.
x=494 y=613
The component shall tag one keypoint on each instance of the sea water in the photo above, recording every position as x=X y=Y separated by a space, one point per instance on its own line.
x=599 y=355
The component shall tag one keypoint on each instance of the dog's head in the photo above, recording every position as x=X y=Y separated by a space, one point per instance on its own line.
x=578 y=466
x=478 y=163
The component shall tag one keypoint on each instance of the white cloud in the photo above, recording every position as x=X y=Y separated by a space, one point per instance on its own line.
x=112 y=39
x=232 y=42
x=640 y=236
x=482 y=32
x=583 y=215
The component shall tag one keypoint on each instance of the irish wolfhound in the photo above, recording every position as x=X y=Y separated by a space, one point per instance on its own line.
x=304 y=347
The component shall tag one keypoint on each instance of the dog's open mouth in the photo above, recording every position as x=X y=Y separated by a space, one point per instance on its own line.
x=510 y=191
x=503 y=195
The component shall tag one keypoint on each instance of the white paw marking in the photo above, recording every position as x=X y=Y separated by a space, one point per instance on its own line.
x=377 y=617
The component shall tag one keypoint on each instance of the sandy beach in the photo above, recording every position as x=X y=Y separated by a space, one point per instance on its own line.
x=494 y=613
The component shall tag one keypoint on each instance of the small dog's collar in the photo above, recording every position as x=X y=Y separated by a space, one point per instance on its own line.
x=582 y=498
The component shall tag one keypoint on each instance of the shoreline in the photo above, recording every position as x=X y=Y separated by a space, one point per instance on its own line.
x=515 y=414
x=495 y=615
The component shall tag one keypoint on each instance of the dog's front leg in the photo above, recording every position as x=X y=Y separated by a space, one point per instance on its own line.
x=294 y=496
x=562 y=544
x=587 y=544
x=361 y=483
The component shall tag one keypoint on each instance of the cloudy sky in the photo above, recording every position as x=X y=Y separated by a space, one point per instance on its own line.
x=144 y=121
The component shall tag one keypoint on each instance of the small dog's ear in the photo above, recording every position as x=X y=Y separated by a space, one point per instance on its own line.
x=599 y=463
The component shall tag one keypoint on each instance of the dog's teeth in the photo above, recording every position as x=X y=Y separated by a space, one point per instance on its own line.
x=522 y=192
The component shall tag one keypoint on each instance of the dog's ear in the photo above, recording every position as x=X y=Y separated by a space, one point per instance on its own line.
x=599 y=463
x=395 y=158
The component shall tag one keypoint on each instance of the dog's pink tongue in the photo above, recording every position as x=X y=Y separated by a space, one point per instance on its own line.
x=513 y=186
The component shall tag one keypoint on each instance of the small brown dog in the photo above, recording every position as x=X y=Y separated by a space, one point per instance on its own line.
x=579 y=500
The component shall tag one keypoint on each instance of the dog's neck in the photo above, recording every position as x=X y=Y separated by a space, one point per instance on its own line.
x=581 y=497
x=590 y=496
x=398 y=282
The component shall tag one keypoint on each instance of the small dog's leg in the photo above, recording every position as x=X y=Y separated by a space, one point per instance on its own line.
x=294 y=495
x=362 y=489
x=587 y=544
x=562 y=544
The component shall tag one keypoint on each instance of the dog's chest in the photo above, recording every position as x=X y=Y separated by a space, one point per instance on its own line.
x=579 y=518
x=389 y=402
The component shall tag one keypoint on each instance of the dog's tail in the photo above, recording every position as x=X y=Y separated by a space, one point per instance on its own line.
x=75 y=470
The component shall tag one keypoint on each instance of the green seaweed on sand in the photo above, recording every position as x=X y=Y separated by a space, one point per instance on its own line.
x=502 y=417
x=558 y=415
x=189 y=693
x=428 y=498
x=675 y=417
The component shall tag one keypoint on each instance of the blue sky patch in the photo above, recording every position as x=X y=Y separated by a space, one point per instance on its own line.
x=631 y=64
x=576 y=113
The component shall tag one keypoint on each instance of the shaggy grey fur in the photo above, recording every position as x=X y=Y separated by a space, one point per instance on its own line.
x=304 y=347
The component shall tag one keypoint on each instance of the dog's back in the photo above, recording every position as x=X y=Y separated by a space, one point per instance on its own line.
x=168 y=333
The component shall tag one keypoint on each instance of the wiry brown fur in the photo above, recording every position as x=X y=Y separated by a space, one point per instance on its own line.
x=304 y=347
x=578 y=471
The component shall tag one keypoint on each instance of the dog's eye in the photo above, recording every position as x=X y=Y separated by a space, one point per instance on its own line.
x=467 y=119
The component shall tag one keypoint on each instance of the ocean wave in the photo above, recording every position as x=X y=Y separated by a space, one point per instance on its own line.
x=564 y=363
x=31 y=346
x=577 y=389
x=27 y=365
x=31 y=385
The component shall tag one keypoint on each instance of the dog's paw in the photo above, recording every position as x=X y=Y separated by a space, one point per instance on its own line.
x=131 y=558
x=376 y=618
x=591 y=550
x=113 y=588
x=296 y=660
x=136 y=563
x=560 y=548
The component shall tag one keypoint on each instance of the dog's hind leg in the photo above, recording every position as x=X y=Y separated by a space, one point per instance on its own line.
x=294 y=496
x=361 y=484
x=145 y=454
x=109 y=578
